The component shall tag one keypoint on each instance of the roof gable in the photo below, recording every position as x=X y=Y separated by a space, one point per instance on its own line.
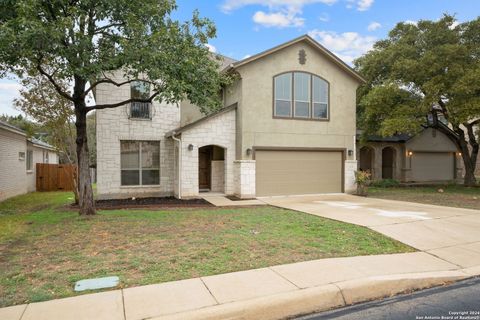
x=305 y=38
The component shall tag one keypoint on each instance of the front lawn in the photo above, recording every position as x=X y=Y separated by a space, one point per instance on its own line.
x=45 y=247
x=452 y=195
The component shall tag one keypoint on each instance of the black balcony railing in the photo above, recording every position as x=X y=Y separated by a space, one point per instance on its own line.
x=140 y=110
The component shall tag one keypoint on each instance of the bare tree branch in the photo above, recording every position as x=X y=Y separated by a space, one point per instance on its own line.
x=108 y=26
x=108 y=80
x=118 y=104
x=50 y=78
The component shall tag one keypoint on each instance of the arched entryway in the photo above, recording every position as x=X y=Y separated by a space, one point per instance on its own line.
x=211 y=169
x=367 y=157
x=388 y=163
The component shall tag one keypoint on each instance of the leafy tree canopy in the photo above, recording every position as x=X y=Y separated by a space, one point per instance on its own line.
x=85 y=39
x=431 y=66
x=81 y=42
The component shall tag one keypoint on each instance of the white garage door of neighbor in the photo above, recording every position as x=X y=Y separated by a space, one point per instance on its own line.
x=298 y=172
x=432 y=166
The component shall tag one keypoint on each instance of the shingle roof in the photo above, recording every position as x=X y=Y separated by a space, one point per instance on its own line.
x=41 y=143
x=9 y=127
x=225 y=61
x=33 y=140
x=402 y=137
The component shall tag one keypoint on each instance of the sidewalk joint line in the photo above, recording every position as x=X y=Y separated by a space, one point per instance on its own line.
x=434 y=255
x=123 y=304
x=457 y=245
x=214 y=298
x=283 y=277
x=23 y=312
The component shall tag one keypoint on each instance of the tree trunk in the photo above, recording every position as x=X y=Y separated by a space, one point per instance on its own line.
x=85 y=192
x=469 y=179
x=469 y=160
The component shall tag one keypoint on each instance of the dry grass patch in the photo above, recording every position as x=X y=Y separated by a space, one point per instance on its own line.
x=46 y=249
x=452 y=195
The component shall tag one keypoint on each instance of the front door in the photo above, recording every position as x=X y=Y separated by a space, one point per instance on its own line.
x=204 y=167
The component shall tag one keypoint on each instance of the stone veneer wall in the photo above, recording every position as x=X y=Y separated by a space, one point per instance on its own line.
x=244 y=174
x=218 y=176
x=350 y=168
x=113 y=125
x=218 y=130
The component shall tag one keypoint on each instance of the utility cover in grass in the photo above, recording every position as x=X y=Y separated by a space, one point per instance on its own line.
x=98 y=283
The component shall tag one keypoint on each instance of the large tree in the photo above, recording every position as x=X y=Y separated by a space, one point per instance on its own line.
x=41 y=102
x=426 y=73
x=82 y=41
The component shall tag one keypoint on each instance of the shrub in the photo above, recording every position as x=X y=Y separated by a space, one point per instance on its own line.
x=362 y=180
x=385 y=183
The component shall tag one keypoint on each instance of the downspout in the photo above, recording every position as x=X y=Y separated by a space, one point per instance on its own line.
x=179 y=164
x=355 y=147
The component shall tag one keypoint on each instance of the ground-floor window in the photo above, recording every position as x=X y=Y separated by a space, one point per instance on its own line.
x=29 y=160
x=140 y=163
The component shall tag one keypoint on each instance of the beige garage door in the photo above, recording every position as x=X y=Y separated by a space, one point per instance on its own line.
x=298 y=172
x=432 y=166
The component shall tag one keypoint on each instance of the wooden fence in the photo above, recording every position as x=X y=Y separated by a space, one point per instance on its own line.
x=55 y=177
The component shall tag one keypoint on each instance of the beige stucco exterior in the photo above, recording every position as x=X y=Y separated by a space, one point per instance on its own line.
x=189 y=113
x=248 y=124
x=259 y=128
x=429 y=156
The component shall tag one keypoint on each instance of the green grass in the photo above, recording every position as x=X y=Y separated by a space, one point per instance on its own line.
x=45 y=247
x=452 y=195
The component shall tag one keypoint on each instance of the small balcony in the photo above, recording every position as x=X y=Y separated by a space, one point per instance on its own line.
x=140 y=110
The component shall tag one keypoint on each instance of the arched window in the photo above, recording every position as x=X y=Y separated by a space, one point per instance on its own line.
x=300 y=95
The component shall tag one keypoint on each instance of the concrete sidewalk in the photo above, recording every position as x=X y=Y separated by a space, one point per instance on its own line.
x=267 y=293
x=220 y=200
x=451 y=234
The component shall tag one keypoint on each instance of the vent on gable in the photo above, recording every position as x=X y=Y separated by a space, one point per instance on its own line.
x=302 y=56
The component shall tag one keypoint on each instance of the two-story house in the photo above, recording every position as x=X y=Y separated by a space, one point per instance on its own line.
x=287 y=127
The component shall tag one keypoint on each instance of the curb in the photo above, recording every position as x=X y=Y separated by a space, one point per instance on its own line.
x=321 y=298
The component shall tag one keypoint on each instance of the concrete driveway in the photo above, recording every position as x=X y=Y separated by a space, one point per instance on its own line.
x=452 y=234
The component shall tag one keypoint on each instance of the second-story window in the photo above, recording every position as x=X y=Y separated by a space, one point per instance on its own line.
x=300 y=95
x=140 y=110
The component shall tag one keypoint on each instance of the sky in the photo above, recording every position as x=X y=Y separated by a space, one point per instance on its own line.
x=349 y=28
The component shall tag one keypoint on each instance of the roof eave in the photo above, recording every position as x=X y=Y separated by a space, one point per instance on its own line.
x=195 y=123
x=313 y=42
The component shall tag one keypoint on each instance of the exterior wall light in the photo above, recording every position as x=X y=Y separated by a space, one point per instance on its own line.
x=249 y=151
x=350 y=152
x=410 y=153
x=190 y=147
x=459 y=154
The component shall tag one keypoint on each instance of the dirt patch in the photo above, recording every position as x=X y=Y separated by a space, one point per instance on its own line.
x=151 y=202
x=235 y=198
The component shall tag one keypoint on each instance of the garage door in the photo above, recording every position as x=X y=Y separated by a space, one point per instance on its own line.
x=298 y=172
x=432 y=166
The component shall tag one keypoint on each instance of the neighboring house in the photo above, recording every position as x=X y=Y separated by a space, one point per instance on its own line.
x=429 y=156
x=18 y=156
x=287 y=127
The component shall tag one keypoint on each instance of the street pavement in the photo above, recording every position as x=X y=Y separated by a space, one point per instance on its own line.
x=457 y=301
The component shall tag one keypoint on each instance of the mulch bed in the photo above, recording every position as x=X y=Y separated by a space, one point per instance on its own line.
x=151 y=202
x=235 y=198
